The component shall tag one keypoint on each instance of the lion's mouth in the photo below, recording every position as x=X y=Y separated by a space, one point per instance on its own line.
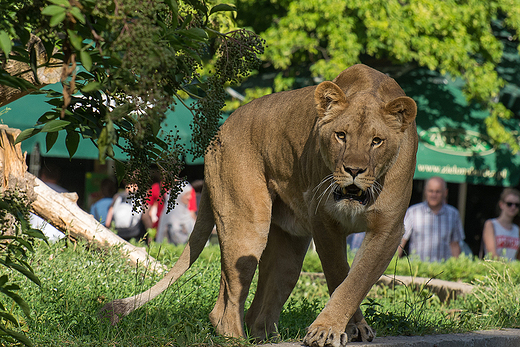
x=352 y=193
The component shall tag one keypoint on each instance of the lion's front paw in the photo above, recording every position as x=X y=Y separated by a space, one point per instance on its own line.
x=360 y=332
x=321 y=336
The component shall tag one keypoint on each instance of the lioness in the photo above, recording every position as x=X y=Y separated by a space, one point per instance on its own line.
x=319 y=163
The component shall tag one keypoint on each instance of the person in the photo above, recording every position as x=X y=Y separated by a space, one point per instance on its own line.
x=433 y=227
x=126 y=219
x=99 y=209
x=51 y=175
x=177 y=224
x=500 y=235
x=155 y=205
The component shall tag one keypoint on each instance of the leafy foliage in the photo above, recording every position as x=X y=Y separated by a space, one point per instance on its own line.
x=138 y=59
x=16 y=243
x=318 y=39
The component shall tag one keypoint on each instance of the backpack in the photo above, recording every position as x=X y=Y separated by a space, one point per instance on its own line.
x=127 y=222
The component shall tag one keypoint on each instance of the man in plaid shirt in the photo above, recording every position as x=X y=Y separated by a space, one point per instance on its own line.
x=432 y=226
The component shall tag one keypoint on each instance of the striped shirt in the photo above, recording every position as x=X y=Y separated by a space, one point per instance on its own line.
x=430 y=234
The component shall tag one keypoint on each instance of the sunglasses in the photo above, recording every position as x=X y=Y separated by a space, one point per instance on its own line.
x=511 y=204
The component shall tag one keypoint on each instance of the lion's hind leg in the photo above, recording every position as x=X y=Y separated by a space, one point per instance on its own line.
x=279 y=271
x=243 y=228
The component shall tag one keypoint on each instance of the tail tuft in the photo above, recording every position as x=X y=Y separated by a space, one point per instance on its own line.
x=114 y=311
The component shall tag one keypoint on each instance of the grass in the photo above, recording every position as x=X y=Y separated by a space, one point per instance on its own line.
x=77 y=281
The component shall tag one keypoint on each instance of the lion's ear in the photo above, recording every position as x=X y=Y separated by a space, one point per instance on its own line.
x=404 y=109
x=328 y=94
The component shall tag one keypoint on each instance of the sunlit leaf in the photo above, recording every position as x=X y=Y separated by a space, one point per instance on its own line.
x=75 y=39
x=90 y=87
x=76 y=12
x=5 y=42
x=222 y=8
x=55 y=125
x=57 y=19
x=53 y=10
x=86 y=60
x=65 y=3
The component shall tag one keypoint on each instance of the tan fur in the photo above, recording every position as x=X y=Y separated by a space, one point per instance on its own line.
x=270 y=180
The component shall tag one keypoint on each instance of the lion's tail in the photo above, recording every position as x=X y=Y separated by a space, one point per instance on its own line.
x=117 y=309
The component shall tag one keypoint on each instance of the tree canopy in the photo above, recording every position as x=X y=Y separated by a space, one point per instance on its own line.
x=459 y=38
x=123 y=65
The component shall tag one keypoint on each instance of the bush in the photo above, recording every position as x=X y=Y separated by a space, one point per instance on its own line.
x=16 y=242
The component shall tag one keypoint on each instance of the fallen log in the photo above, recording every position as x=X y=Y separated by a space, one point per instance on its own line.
x=62 y=212
x=445 y=290
x=60 y=209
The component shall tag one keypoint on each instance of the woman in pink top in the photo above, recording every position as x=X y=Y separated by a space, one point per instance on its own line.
x=501 y=235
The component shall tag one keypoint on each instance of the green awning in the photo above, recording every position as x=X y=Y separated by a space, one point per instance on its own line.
x=452 y=140
x=25 y=112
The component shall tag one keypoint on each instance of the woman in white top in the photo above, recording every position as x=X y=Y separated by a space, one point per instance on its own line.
x=500 y=235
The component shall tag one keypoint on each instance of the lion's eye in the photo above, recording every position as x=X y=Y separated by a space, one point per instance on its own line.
x=377 y=141
x=340 y=135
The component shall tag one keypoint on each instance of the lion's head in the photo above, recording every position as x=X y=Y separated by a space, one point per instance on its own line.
x=360 y=136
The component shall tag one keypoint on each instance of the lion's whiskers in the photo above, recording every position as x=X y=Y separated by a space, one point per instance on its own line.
x=374 y=191
x=315 y=190
x=329 y=188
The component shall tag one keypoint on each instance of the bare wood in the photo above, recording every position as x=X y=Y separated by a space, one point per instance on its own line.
x=60 y=210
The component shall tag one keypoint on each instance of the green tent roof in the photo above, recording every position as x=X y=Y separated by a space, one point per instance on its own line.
x=452 y=135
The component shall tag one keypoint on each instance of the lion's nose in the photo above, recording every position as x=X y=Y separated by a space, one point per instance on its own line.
x=354 y=171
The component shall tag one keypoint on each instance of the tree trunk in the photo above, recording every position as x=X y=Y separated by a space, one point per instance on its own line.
x=60 y=209
x=45 y=75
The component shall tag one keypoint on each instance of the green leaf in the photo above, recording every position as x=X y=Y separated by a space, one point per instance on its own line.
x=50 y=140
x=14 y=82
x=65 y=3
x=34 y=64
x=53 y=10
x=55 y=125
x=186 y=21
x=9 y=317
x=172 y=4
x=90 y=87
x=5 y=42
x=49 y=48
x=18 y=336
x=36 y=234
x=19 y=301
x=75 y=40
x=194 y=33
x=174 y=7
x=86 y=60
x=23 y=34
x=121 y=111
x=27 y=133
x=222 y=8
x=76 y=12
x=3 y=280
x=57 y=19
x=72 y=142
